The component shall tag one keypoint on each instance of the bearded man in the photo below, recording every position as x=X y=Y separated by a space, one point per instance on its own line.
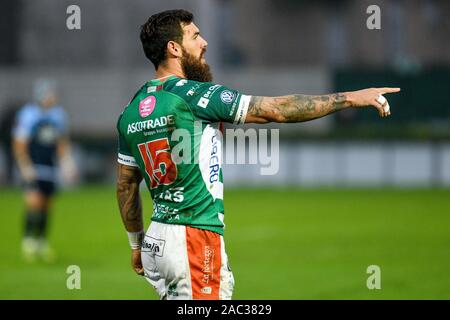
x=183 y=254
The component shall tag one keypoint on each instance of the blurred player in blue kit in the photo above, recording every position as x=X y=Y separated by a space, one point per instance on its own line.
x=40 y=144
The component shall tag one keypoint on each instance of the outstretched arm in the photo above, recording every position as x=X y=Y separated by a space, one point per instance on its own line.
x=128 y=180
x=299 y=107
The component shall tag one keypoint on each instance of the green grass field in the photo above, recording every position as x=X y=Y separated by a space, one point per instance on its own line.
x=283 y=244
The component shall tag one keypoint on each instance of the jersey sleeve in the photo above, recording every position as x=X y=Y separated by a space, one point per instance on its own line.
x=24 y=121
x=212 y=102
x=124 y=155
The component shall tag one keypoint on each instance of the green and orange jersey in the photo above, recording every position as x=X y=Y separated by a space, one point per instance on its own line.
x=171 y=132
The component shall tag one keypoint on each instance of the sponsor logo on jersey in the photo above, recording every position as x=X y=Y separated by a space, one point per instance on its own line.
x=233 y=108
x=211 y=90
x=47 y=134
x=214 y=165
x=181 y=83
x=191 y=91
x=227 y=96
x=150 y=124
x=153 y=245
x=163 y=212
x=172 y=194
x=147 y=106
x=203 y=102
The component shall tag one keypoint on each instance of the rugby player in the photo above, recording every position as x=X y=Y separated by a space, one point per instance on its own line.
x=183 y=254
x=39 y=140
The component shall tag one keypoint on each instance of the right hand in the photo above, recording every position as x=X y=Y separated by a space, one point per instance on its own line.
x=368 y=97
x=69 y=171
x=136 y=262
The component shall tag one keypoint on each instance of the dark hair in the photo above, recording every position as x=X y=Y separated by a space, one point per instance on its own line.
x=161 y=28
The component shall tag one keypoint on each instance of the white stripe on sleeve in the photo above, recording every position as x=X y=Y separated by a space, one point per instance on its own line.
x=126 y=160
x=242 y=109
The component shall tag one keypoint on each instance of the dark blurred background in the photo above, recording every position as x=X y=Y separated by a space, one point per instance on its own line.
x=262 y=47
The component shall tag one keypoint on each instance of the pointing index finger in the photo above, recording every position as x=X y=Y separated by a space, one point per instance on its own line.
x=389 y=90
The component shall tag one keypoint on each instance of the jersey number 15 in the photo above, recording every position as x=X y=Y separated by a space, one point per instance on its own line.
x=158 y=162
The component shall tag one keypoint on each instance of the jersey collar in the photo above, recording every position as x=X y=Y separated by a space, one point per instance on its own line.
x=157 y=82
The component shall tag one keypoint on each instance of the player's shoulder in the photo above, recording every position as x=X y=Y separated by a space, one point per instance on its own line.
x=188 y=89
x=176 y=83
x=29 y=111
x=29 y=108
x=139 y=95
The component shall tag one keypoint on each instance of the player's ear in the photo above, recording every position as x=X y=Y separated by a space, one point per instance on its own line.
x=174 y=49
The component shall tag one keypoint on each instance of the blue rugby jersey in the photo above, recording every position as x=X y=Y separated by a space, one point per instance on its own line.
x=42 y=128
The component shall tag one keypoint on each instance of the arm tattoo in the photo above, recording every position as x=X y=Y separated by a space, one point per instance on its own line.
x=128 y=179
x=297 y=107
x=255 y=106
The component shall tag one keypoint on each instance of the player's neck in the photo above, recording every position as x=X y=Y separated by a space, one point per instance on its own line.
x=163 y=73
x=163 y=78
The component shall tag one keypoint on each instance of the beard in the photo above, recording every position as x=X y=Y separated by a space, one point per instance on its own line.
x=195 y=69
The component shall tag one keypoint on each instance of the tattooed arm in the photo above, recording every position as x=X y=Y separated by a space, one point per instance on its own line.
x=128 y=180
x=299 y=107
